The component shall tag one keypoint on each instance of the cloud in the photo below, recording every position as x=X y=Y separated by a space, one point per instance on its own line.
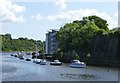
x=10 y=12
x=61 y=16
x=38 y=17
x=71 y=15
x=116 y=14
x=61 y=4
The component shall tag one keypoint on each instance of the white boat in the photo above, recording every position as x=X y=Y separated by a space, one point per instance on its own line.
x=56 y=62
x=77 y=64
x=20 y=56
x=37 y=61
x=43 y=62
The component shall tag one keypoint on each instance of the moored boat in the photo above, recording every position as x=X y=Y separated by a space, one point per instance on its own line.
x=56 y=62
x=28 y=59
x=21 y=58
x=15 y=55
x=77 y=64
x=12 y=54
x=28 y=53
x=43 y=62
x=36 y=60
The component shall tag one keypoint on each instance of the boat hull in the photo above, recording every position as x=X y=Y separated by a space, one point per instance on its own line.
x=21 y=58
x=12 y=55
x=28 y=59
x=77 y=66
x=15 y=55
x=42 y=63
x=37 y=61
x=56 y=64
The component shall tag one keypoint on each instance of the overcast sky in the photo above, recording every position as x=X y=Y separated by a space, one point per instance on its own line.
x=33 y=19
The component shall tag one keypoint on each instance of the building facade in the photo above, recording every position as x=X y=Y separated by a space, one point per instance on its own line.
x=51 y=45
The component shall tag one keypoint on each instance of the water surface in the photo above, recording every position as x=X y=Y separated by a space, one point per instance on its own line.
x=14 y=69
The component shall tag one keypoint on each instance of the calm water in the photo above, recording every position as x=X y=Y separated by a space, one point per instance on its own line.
x=14 y=69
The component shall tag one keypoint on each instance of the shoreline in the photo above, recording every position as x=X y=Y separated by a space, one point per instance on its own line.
x=99 y=66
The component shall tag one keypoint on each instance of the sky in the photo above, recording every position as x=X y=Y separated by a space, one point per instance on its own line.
x=34 y=18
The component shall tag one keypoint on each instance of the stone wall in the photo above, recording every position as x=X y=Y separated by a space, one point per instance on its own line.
x=104 y=50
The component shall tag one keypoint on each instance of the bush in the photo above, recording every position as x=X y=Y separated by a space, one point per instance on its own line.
x=117 y=33
x=99 y=32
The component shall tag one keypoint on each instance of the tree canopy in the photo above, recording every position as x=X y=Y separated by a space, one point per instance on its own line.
x=76 y=35
x=20 y=44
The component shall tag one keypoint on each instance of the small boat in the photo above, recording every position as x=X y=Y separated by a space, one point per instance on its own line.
x=56 y=62
x=28 y=53
x=21 y=58
x=77 y=64
x=12 y=54
x=15 y=55
x=36 y=61
x=43 y=62
x=28 y=59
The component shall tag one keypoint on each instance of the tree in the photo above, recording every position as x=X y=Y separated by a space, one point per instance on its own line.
x=99 y=22
x=8 y=36
x=65 y=34
x=20 y=44
x=76 y=36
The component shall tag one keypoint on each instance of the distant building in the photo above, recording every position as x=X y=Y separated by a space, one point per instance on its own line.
x=51 y=45
x=116 y=28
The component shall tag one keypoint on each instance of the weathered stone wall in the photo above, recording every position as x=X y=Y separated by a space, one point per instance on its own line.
x=104 y=50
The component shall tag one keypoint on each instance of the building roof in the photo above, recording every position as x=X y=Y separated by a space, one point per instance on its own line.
x=52 y=30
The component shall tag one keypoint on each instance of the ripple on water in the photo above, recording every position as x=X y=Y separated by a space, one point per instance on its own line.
x=79 y=76
x=7 y=68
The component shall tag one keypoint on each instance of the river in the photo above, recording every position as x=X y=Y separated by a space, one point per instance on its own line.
x=14 y=69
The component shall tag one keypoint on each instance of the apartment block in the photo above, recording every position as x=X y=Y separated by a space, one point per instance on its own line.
x=51 y=42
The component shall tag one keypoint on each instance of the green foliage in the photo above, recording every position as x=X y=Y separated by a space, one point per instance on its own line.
x=8 y=36
x=70 y=55
x=77 y=40
x=88 y=55
x=117 y=33
x=65 y=34
x=20 y=44
x=76 y=35
x=58 y=55
x=99 y=22
x=99 y=32
x=66 y=56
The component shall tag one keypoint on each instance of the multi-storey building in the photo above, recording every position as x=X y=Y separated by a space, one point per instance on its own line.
x=51 y=42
